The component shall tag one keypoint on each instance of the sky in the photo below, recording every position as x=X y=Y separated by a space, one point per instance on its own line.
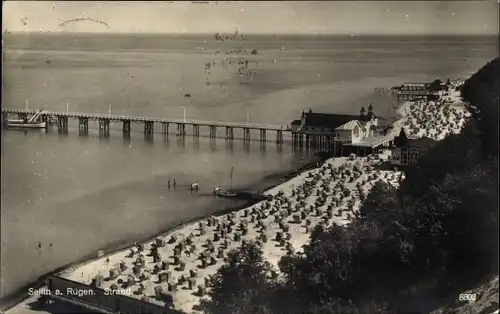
x=273 y=17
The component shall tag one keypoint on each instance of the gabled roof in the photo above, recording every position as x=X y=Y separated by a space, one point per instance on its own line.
x=331 y=120
x=349 y=125
x=415 y=83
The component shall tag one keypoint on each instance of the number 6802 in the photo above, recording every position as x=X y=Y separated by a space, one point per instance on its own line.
x=467 y=297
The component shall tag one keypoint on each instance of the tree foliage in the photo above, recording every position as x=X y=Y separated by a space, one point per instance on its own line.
x=240 y=285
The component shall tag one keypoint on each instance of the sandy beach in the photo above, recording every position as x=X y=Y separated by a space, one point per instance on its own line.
x=180 y=263
x=433 y=119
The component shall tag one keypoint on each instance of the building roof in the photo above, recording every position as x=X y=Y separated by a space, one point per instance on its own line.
x=349 y=125
x=330 y=120
x=374 y=141
x=418 y=84
x=434 y=85
x=296 y=122
x=415 y=83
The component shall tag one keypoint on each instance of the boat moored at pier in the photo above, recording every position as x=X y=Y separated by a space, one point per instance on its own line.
x=33 y=122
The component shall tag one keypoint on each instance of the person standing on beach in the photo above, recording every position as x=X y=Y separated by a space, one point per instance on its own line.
x=168 y=185
x=174 y=183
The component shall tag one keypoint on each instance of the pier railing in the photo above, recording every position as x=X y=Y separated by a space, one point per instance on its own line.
x=299 y=138
x=138 y=119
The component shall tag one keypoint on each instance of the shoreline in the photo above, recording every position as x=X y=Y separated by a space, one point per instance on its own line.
x=21 y=294
x=331 y=168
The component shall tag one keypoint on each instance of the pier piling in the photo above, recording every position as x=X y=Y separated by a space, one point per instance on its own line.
x=196 y=130
x=104 y=121
x=165 y=128
x=279 y=137
x=213 y=132
x=229 y=133
x=263 y=136
x=246 y=134
x=83 y=125
x=181 y=129
x=104 y=127
x=126 y=127
x=297 y=139
x=149 y=127
x=45 y=118
x=4 y=119
x=62 y=124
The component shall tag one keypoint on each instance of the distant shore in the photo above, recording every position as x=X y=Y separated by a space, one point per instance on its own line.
x=268 y=182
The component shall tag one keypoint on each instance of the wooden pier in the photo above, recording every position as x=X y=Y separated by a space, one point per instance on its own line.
x=385 y=90
x=61 y=121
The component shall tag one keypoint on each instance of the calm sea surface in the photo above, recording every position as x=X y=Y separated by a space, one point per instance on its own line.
x=75 y=195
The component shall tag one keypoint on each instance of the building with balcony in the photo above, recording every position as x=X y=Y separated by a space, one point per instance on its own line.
x=406 y=151
x=413 y=91
x=344 y=128
x=346 y=133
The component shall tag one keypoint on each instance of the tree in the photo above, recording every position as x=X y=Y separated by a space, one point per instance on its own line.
x=241 y=285
x=381 y=204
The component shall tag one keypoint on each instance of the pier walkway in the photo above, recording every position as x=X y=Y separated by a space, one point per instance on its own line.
x=61 y=119
x=321 y=141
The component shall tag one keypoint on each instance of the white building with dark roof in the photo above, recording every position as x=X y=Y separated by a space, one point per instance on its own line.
x=346 y=133
x=412 y=91
x=343 y=127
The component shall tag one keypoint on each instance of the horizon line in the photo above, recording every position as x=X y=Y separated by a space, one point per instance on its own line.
x=7 y=32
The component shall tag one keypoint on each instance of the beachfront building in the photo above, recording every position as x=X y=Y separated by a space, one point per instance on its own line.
x=345 y=128
x=406 y=151
x=413 y=91
x=347 y=133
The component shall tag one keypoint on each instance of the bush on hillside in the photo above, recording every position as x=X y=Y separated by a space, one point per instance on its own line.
x=241 y=285
x=482 y=91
